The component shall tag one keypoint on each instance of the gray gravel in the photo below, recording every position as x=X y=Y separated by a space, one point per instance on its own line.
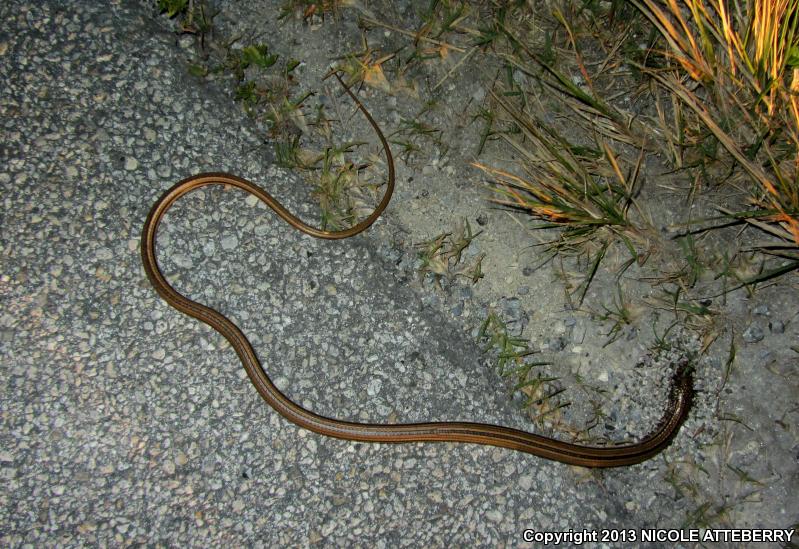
x=125 y=422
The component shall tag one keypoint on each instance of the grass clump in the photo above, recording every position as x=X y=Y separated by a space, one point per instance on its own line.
x=584 y=190
x=443 y=256
x=736 y=69
x=540 y=393
x=414 y=135
x=344 y=194
x=564 y=184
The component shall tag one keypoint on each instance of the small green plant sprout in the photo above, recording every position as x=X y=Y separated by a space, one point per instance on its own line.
x=408 y=149
x=487 y=116
x=693 y=267
x=285 y=117
x=441 y=17
x=433 y=256
x=173 y=7
x=692 y=312
x=413 y=131
x=442 y=256
x=620 y=313
x=424 y=46
x=596 y=416
x=257 y=56
x=288 y=153
x=450 y=14
x=333 y=197
x=511 y=350
x=475 y=271
x=263 y=86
